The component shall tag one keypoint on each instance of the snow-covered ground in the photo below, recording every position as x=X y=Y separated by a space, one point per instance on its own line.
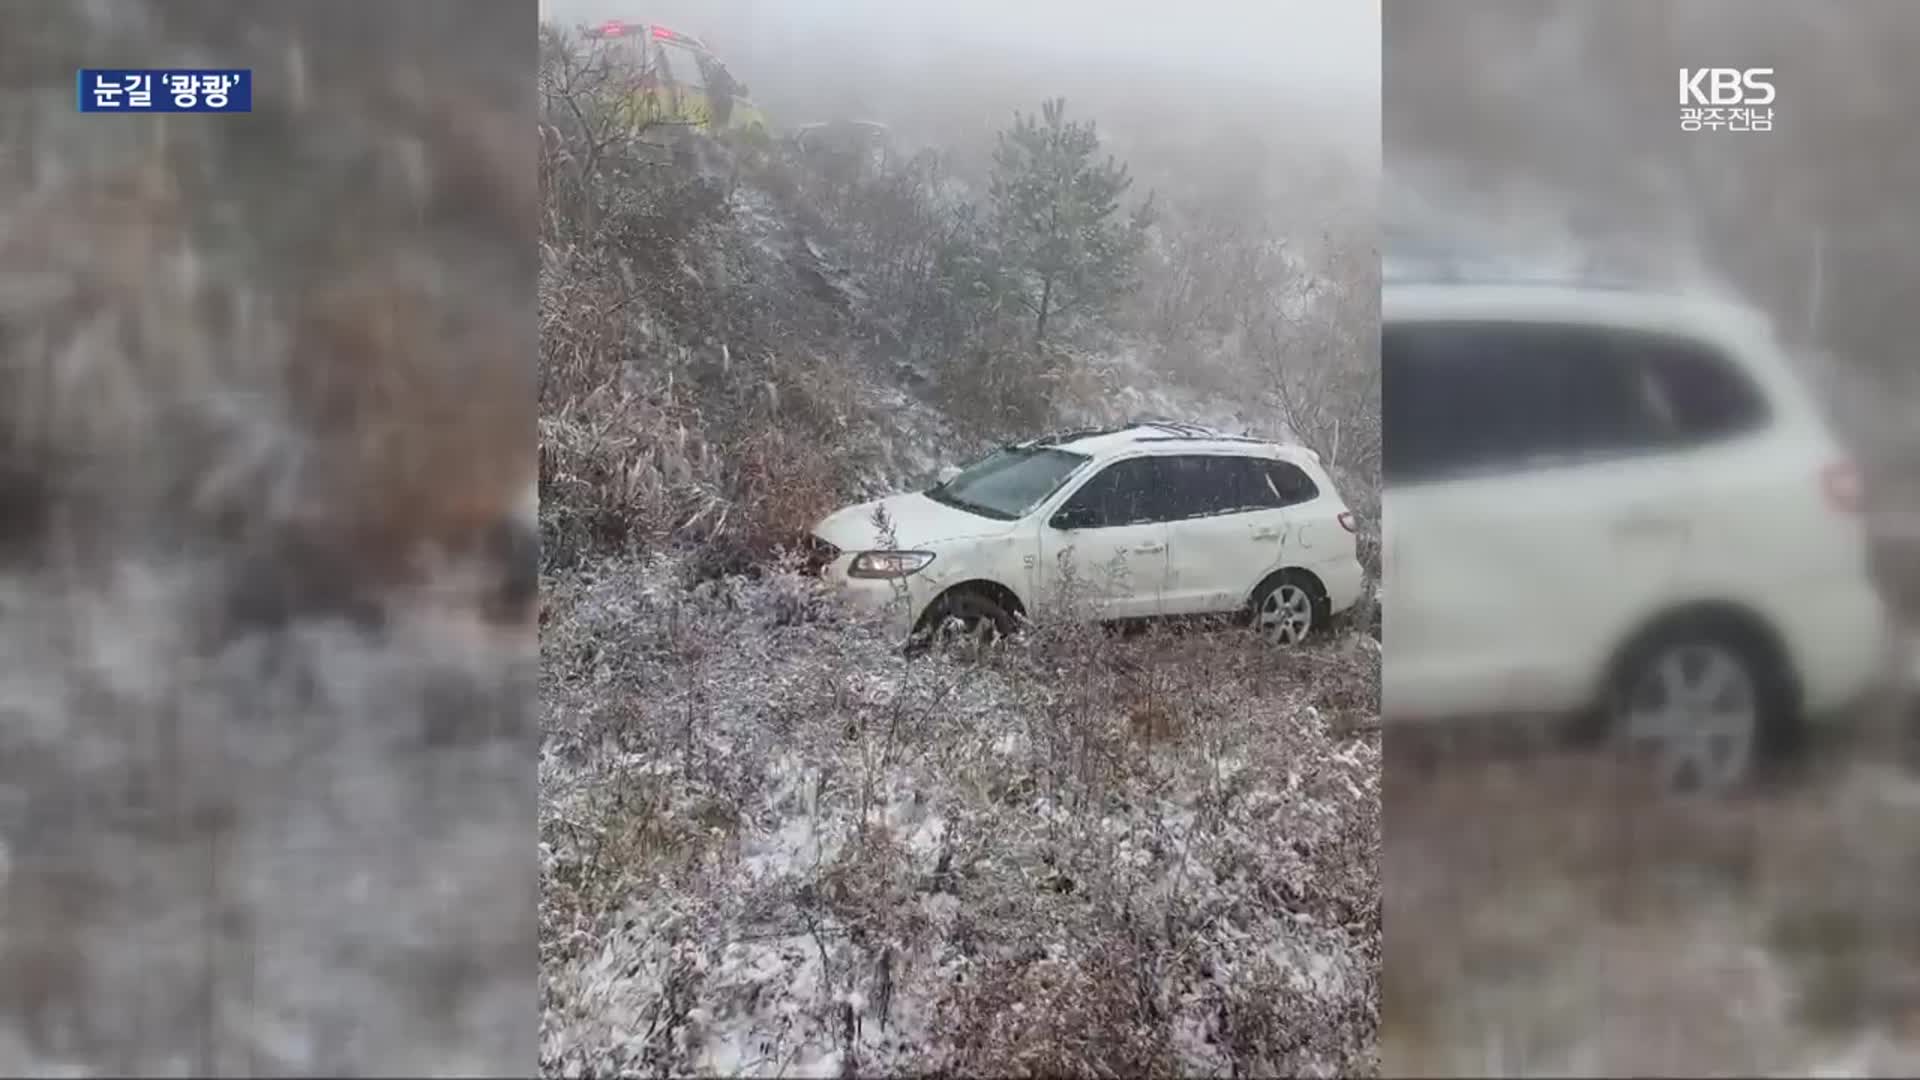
x=1551 y=921
x=771 y=845
x=201 y=870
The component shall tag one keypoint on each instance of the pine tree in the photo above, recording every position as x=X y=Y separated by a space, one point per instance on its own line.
x=1064 y=242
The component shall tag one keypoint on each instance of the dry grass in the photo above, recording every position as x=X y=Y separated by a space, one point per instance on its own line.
x=682 y=405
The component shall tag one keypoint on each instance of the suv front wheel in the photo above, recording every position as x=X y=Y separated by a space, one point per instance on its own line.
x=963 y=615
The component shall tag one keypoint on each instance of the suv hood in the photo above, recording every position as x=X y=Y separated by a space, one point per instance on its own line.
x=916 y=520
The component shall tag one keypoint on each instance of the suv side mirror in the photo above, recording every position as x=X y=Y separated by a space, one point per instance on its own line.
x=948 y=472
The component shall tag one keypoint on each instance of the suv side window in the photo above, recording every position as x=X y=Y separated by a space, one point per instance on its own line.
x=1460 y=398
x=1130 y=492
x=1197 y=485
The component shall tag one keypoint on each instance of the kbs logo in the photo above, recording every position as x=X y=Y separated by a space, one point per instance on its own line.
x=1726 y=99
x=1725 y=86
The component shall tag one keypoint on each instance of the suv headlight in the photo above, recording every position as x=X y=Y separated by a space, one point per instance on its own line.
x=888 y=564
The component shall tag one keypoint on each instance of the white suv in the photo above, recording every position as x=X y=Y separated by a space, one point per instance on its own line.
x=1191 y=521
x=1621 y=505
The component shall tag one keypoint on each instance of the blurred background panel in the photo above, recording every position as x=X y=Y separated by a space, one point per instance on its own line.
x=1653 y=466
x=267 y=544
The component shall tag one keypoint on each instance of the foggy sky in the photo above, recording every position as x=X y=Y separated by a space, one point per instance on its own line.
x=1321 y=49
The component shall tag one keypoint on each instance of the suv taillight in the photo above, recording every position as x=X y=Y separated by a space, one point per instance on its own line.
x=1840 y=483
x=1346 y=521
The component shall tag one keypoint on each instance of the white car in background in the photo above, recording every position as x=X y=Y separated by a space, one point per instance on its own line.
x=1621 y=505
x=1201 y=522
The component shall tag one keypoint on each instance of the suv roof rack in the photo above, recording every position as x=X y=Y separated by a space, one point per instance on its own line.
x=1209 y=437
x=1166 y=431
x=1055 y=438
x=1179 y=431
x=1162 y=423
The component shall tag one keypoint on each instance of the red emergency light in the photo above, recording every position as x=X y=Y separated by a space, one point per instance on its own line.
x=616 y=28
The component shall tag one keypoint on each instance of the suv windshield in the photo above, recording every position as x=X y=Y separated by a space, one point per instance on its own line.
x=1009 y=483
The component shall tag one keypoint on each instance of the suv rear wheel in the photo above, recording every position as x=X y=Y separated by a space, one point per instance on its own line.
x=1288 y=607
x=1703 y=707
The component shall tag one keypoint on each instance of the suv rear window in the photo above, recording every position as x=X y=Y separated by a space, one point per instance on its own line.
x=1460 y=398
x=1282 y=483
x=1706 y=397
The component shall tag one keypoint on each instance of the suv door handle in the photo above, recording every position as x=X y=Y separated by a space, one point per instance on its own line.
x=1267 y=534
x=1149 y=549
